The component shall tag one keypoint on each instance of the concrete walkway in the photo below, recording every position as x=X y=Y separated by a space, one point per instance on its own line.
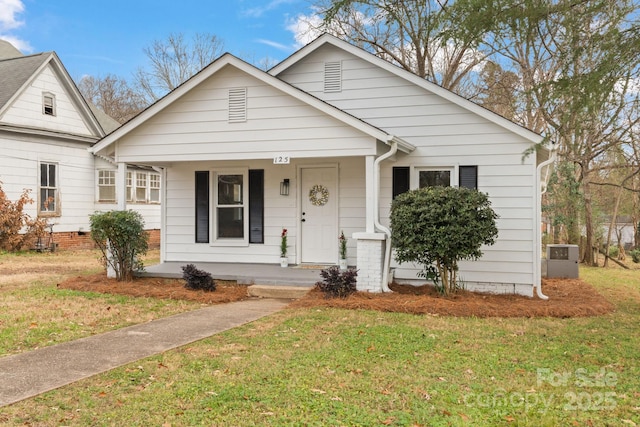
x=28 y=374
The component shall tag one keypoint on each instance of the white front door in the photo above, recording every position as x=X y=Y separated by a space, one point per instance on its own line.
x=319 y=215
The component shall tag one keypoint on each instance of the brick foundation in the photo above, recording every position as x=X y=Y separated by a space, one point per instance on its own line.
x=370 y=261
x=74 y=240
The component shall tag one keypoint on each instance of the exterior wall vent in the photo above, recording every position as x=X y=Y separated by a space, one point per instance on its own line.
x=333 y=76
x=238 y=105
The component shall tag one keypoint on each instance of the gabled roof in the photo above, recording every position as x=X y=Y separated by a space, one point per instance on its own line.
x=327 y=39
x=17 y=73
x=229 y=60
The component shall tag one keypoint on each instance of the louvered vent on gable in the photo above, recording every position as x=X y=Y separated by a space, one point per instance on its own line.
x=237 y=105
x=333 y=76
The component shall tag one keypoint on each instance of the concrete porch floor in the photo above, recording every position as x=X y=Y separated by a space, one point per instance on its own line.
x=264 y=280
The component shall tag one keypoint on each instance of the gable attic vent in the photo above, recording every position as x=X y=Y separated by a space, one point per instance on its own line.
x=333 y=76
x=238 y=105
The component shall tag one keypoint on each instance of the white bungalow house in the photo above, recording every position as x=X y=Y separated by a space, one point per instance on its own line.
x=46 y=128
x=318 y=145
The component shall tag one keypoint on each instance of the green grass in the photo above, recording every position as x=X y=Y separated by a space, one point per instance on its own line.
x=322 y=367
x=35 y=313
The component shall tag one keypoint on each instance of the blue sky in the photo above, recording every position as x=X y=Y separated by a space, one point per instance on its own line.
x=98 y=37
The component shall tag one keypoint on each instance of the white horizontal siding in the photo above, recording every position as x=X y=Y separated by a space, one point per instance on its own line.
x=196 y=127
x=445 y=135
x=27 y=109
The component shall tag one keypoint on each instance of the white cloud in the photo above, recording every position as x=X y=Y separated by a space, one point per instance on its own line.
x=276 y=45
x=22 y=45
x=257 y=12
x=304 y=28
x=9 y=11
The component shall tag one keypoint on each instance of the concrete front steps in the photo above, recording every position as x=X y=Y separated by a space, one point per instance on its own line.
x=279 y=292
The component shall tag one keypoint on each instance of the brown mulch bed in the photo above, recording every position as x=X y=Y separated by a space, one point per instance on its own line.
x=567 y=298
x=156 y=288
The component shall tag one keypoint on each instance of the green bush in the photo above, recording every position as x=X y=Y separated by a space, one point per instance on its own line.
x=438 y=226
x=197 y=279
x=613 y=251
x=635 y=255
x=337 y=283
x=121 y=237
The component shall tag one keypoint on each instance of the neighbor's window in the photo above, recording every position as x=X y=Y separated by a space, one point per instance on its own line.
x=48 y=104
x=106 y=186
x=48 y=203
x=229 y=205
x=434 y=178
x=141 y=187
x=154 y=188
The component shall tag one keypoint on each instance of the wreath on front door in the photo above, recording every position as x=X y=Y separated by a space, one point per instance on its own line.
x=318 y=195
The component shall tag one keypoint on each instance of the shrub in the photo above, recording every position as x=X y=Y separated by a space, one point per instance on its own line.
x=122 y=240
x=439 y=226
x=337 y=283
x=17 y=229
x=197 y=279
x=635 y=255
x=614 y=251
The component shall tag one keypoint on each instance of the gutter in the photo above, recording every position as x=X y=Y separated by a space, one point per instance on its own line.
x=376 y=218
x=537 y=282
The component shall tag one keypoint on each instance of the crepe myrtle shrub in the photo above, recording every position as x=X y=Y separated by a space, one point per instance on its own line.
x=122 y=240
x=197 y=279
x=337 y=283
x=438 y=226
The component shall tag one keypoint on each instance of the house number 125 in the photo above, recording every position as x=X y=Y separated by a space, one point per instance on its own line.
x=281 y=160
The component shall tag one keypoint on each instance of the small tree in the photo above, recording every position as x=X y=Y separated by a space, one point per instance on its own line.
x=121 y=237
x=17 y=228
x=439 y=226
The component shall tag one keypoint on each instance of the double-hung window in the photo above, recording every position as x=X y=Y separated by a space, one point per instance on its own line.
x=405 y=178
x=48 y=104
x=229 y=207
x=230 y=203
x=106 y=185
x=48 y=203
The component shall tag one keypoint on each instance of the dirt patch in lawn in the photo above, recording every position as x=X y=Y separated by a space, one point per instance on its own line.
x=154 y=287
x=567 y=298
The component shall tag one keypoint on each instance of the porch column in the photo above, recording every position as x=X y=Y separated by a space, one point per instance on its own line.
x=121 y=186
x=370 y=261
x=370 y=207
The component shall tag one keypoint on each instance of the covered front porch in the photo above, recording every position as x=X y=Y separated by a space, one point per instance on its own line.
x=243 y=274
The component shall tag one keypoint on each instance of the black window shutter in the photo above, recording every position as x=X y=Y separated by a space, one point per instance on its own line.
x=400 y=180
x=202 y=206
x=468 y=176
x=256 y=206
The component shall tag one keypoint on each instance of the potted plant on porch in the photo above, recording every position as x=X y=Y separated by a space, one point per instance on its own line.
x=343 y=251
x=284 y=261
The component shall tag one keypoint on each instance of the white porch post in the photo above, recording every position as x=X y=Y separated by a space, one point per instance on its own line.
x=370 y=201
x=121 y=186
x=370 y=244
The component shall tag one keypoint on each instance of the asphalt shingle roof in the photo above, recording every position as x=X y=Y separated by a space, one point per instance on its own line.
x=14 y=72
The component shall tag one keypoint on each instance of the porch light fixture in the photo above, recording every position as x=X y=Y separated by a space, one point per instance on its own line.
x=284 y=187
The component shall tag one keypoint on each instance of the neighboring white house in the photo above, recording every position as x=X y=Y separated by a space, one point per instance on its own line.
x=318 y=145
x=46 y=128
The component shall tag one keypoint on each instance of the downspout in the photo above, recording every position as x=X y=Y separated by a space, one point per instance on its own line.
x=376 y=217
x=538 y=243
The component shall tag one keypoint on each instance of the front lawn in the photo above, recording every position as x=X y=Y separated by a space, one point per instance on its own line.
x=329 y=366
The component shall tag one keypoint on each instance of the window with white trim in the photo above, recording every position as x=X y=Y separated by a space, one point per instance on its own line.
x=48 y=191
x=154 y=188
x=106 y=186
x=141 y=186
x=434 y=177
x=48 y=104
x=229 y=205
